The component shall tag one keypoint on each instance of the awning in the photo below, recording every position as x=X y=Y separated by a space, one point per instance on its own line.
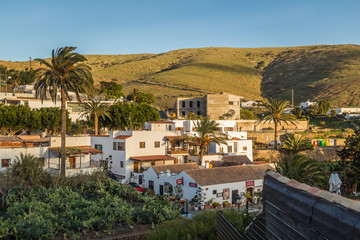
x=77 y=150
x=152 y=158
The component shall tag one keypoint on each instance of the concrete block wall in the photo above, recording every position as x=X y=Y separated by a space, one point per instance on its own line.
x=295 y=210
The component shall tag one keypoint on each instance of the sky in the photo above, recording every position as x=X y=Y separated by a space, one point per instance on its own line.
x=33 y=28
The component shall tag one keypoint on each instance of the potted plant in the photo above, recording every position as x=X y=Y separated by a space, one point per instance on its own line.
x=216 y=205
x=226 y=204
x=208 y=204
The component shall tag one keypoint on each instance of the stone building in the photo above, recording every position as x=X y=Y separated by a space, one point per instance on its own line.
x=213 y=105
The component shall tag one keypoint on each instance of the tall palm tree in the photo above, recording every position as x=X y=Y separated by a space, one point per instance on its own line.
x=294 y=144
x=208 y=131
x=277 y=108
x=64 y=72
x=96 y=109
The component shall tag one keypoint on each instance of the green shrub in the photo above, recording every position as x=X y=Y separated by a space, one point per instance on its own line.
x=215 y=204
x=240 y=220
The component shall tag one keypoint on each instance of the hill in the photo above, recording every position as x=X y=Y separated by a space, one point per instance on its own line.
x=314 y=72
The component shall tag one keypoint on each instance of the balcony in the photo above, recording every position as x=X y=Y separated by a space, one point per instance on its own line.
x=177 y=150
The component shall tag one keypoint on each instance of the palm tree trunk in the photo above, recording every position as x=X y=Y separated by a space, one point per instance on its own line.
x=202 y=149
x=63 y=132
x=276 y=133
x=96 y=123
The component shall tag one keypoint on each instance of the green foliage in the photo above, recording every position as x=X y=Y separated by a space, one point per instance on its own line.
x=72 y=211
x=303 y=169
x=112 y=90
x=201 y=226
x=78 y=127
x=324 y=106
x=295 y=143
x=247 y=114
x=141 y=97
x=349 y=165
x=130 y=115
x=18 y=118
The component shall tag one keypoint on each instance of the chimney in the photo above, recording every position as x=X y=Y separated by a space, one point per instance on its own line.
x=167 y=173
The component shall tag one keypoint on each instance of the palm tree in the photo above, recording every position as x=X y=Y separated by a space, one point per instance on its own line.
x=294 y=144
x=277 y=108
x=303 y=169
x=65 y=72
x=96 y=109
x=208 y=131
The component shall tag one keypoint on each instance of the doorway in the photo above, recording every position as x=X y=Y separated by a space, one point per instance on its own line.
x=72 y=162
x=162 y=190
x=140 y=179
x=233 y=196
x=251 y=191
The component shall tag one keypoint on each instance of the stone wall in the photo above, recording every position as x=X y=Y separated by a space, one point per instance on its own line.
x=319 y=153
x=294 y=210
x=255 y=125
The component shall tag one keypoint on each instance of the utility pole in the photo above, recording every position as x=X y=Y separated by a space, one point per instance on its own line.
x=30 y=62
x=292 y=97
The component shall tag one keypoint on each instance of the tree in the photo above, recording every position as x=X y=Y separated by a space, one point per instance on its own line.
x=350 y=163
x=324 y=106
x=141 y=97
x=64 y=73
x=303 y=169
x=112 y=90
x=294 y=144
x=208 y=131
x=130 y=115
x=247 y=114
x=96 y=109
x=277 y=115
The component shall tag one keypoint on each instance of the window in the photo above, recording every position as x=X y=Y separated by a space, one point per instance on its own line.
x=98 y=146
x=183 y=104
x=228 y=129
x=198 y=104
x=221 y=149
x=5 y=163
x=183 y=113
x=244 y=148
x=191 y=104
x=121 y=146
x=229 y=149
x=121 y=164
x=214 y=191
x=157 y=144
x=114 y=145
x=235 y=146
x=231 y=103
x=151 y=185
x=142 y=144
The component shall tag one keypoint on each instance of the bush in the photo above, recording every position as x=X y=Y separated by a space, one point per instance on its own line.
x=240 y=220
x=225 y=203
x=216 y=204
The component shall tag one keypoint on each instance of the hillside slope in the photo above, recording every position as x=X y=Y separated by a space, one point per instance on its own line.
x=314 y=72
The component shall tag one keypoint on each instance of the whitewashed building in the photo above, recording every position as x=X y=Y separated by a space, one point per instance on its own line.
x=307 y=104
x=234 y=146
x=79 y=153
x=216 y=184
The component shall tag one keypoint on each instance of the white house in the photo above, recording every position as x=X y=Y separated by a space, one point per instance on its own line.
x=339 y=111
x=79 y=153
x=132 y=152
x=307 y=104
x=216 y=184
x=234 y=146
x=248 y=104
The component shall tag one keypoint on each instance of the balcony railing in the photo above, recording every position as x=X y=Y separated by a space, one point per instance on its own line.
x=177 y=150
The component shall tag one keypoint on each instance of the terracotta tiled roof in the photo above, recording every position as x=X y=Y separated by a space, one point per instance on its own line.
x=122 y=137
x=175 y=168
x=222 y=175
x=260 y=162
x=74 y=150
x=160 y=122
x=174 y=137
x=237 y=160
x=152 y=158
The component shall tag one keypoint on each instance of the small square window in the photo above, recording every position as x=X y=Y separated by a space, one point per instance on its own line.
x=5 y=163
x=142 y=144
x=244 y=148
x=121 y=146
x=98 y=146
x=214 y=191
x=157 y=144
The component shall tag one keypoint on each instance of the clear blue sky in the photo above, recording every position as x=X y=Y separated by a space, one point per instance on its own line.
x=34 y=28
